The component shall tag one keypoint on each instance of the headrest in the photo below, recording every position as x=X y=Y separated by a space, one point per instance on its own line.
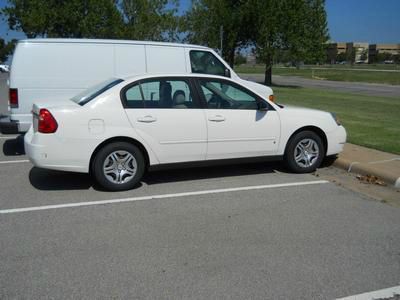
x=179 y=97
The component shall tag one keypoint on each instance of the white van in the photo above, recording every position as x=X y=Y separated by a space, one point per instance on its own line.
x=55 y=69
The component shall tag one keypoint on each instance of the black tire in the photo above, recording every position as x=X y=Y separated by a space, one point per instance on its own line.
x=289 y=156
x=103 y=155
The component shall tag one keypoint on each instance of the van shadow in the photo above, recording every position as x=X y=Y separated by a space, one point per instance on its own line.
x=14 y=146
x=49 y=180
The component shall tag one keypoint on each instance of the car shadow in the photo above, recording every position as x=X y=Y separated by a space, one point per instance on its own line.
x=14 y=146
x=211 y=172
x=50 y=180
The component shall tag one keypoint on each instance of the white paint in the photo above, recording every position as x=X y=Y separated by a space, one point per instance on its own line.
x=14 y=161
x=57 y=69
x=9 y=137
x=379 y=294
x=397 y=183
x=243 y=133
x=185 y=194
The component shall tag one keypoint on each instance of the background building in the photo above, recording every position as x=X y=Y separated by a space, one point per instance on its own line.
x=379 y=52
x=356 y=52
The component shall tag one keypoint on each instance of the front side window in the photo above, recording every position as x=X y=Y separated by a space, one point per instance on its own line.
x=160 y=93
x=226 y=95
x=205 y=62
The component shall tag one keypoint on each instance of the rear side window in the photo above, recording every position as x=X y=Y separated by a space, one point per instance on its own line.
x=94 y=91
x=160 y=93
x=205 y=62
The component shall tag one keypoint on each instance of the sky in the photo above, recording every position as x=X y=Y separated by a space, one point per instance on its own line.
x=371 y=21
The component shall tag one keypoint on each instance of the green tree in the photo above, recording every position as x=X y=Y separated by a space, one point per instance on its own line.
x=297 y=26
x=58 y=18
x=150 y=20
x=6 y=49
x=203 y=24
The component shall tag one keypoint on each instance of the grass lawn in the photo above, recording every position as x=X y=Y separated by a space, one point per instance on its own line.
x=370 y=121
x=356 y=74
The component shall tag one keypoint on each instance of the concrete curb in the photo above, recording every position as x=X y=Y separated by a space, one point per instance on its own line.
x=368 y=169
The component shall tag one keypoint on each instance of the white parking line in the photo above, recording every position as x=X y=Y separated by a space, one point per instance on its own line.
x=185 y=194
x=9 y=137
x=14 y=161
x=380 y=294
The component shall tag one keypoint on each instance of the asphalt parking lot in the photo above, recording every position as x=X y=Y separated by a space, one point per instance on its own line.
x=208 y=234
x=248 y=231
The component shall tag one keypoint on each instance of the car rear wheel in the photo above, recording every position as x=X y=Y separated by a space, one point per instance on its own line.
x=118 y=166
x=304 y=152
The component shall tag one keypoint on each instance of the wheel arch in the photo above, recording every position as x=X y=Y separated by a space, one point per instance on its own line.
x=120 y=139
x=314 y=129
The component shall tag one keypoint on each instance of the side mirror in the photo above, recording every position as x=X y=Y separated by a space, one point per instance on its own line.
x=262 y=106
x=227 y=73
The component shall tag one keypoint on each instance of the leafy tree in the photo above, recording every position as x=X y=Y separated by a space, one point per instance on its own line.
x=351 y=55
x=58 y=18
x=341 y=57
x=298 y=26
x=150 y=20
x=205 y=19
x=6 y=49
x=239 y=59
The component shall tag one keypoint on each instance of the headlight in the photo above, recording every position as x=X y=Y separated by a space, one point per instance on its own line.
x=335 y=118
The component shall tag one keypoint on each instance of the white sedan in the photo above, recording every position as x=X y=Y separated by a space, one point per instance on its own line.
x=118 y=129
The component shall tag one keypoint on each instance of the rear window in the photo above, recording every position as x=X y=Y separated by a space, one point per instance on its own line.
x=94 y=91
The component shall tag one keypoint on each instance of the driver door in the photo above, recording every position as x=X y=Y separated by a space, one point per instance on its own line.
x=236 y=127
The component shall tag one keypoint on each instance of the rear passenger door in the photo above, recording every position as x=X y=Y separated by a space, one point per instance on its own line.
x=166 y=113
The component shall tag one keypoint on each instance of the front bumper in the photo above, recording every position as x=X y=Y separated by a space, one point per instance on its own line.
x=336 y=140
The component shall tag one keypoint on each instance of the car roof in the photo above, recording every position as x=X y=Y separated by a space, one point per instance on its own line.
x=157 y=75
x=109 y=41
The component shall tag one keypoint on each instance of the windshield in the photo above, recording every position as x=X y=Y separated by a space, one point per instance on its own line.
x=89 y=94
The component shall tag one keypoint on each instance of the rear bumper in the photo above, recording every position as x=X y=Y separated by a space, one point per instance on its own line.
x=8 y=126
x=45 y=151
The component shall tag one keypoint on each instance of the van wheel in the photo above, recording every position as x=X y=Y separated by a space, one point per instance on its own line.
x=304 y=152
x=118 y=166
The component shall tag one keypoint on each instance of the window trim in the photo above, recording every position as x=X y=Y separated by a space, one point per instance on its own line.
x=234 y=84
x=225 y=66
x=188 y=80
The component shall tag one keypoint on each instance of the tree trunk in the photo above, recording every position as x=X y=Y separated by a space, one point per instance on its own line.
x=268 y=71
x=231 y=58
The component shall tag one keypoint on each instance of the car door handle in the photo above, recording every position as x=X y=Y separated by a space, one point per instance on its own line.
x=147 y=119
x=217 y=118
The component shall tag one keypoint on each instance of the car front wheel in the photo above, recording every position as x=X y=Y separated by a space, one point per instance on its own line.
x=118 y=166
x=304 y=152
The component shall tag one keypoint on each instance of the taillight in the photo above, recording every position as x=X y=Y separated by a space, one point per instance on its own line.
x=13 y=98
x=47 y=123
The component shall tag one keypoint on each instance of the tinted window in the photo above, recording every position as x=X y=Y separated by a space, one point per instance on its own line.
x=94 y=91
x=160 y=93
x=226 y=95
x=206 y=63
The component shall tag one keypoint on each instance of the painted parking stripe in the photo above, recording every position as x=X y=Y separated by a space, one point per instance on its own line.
x=380 y=294
x=176 y=195
x=14 y=161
